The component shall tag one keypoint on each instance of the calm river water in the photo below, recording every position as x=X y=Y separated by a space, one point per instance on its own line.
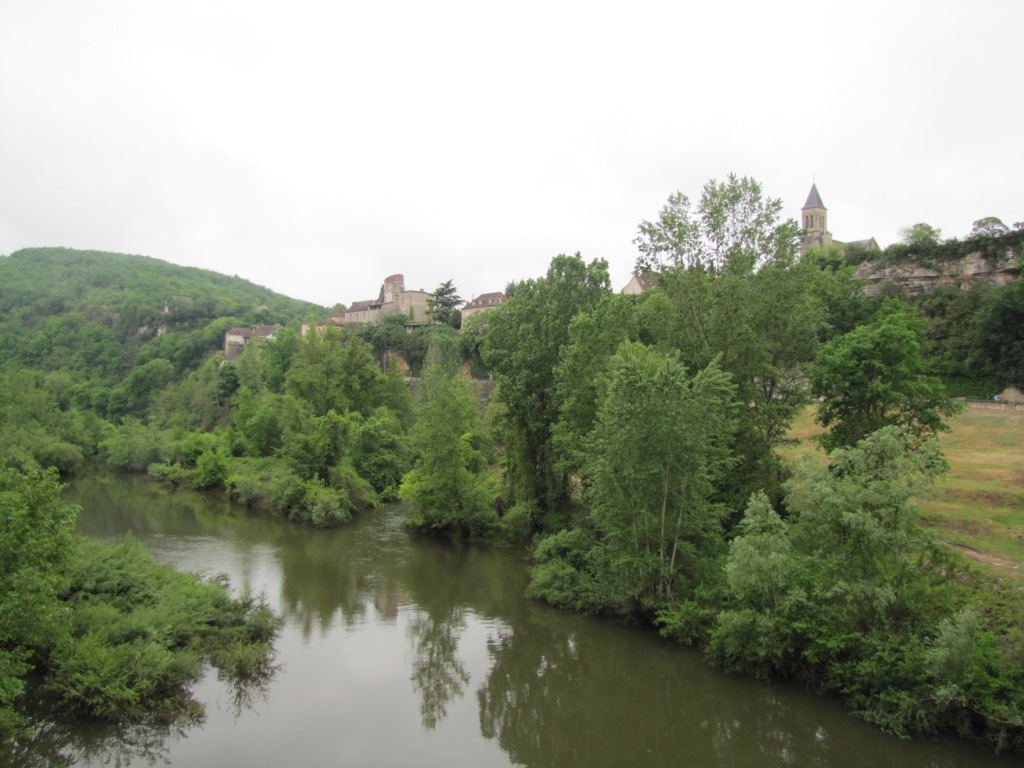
x=403 y=651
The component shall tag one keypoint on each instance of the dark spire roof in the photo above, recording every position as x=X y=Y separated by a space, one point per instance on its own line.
x=814 y=199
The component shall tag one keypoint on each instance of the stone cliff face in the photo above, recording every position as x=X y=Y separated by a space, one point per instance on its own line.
x=919 y=279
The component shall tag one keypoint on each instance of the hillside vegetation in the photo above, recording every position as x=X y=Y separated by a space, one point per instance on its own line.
x=99 y=315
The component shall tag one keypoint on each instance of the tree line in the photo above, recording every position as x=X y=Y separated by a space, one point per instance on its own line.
x=631 y=444
x=638 y=441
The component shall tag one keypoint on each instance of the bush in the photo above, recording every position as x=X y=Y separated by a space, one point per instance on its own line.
x=134 y=446
x=245 y=489
x=516 y=525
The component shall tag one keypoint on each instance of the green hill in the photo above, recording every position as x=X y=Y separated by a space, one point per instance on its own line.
x=99 y=315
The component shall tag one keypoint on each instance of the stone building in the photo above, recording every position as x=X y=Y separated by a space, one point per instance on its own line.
x=392 y=299
x=814 y=220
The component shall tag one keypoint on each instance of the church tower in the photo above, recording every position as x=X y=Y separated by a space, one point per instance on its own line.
x=815 y=220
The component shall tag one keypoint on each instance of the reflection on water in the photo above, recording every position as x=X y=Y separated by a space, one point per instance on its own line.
x=438 y=675
x=399 y=650
x=52 y=743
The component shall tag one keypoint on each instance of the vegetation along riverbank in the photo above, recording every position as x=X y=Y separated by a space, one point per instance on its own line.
x=640 y=444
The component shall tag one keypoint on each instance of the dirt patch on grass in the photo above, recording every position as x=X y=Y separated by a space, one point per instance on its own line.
x=985 y=498
x=991 y=560
x=969 y=527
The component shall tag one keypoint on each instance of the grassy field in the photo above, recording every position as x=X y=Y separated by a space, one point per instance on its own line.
x=978 y=505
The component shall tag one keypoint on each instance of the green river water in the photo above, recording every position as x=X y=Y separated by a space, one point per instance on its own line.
x=403 y=651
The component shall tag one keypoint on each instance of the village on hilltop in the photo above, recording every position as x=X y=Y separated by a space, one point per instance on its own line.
x=394 y=299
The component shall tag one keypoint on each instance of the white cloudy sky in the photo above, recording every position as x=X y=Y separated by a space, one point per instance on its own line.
x=316 y=147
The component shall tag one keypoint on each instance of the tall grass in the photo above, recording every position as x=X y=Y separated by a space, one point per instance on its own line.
x=978 y=505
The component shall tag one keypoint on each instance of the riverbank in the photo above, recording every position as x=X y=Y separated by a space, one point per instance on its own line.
x=401 y=649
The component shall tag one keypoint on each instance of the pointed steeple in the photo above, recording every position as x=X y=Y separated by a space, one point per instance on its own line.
x=813 y=199
x=815 y=220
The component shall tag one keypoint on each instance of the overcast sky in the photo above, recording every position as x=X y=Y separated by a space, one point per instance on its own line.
x=317 y=147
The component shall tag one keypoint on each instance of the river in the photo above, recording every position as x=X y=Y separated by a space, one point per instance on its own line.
x=399 y=650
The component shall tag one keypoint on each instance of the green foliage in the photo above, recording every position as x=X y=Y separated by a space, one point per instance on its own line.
x=921 y=235
x=735 y=318
x=112 y=634
x=659 y=449
x=594 y=337
x=989 y=226
x=877 y=375
x=443 y=305
x=35 y=546
x=141 y=633
x=451 y=488
x=991 y=246
x=567 y=572
x=133 y=446
x=211 y=470
x=522 y=346
x=850 y=595
x=335 y=371
x=733 y=229
x=39 y=428
x=997 y=334
x=98 y=315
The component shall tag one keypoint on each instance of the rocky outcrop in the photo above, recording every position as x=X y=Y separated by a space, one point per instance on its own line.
x=917 y=279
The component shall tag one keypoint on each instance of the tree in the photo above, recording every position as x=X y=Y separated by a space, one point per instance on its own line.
x=450 y=489
x=736 y=318
x=522 y=347
x=653 y=463
x=921 y=234
x=443 y=303
x=733 y=228
x=335 y=371
x=989 y=226
x=878 y=375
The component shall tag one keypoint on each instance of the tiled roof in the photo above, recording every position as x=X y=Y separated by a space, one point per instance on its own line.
x=487 y=300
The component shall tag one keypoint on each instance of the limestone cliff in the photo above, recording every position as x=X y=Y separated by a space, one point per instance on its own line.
x=918 y=278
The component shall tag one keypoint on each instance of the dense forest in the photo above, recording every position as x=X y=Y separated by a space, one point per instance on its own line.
x=630 y=444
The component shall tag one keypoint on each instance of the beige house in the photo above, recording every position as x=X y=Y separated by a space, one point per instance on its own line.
x=482 y=302
x=334 y=321
x=635 y=286
x=393 y=299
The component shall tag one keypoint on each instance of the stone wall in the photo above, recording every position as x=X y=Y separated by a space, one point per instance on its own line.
x=920 y=279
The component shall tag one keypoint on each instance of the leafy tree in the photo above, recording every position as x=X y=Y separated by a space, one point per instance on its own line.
x=133 y=446
x=733 y=228
x=140 y=389
x=921 y=234
x=451 y=488
x=989 y=226
x=753 y=632
x=335 y=371
x=524 y=339
x=652 y=465
x=594 y=338
x=443 y=304
x=996 y=335
x=878 y=375
x=735 y=318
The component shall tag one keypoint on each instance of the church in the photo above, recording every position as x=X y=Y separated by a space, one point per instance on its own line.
x=814 y=220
